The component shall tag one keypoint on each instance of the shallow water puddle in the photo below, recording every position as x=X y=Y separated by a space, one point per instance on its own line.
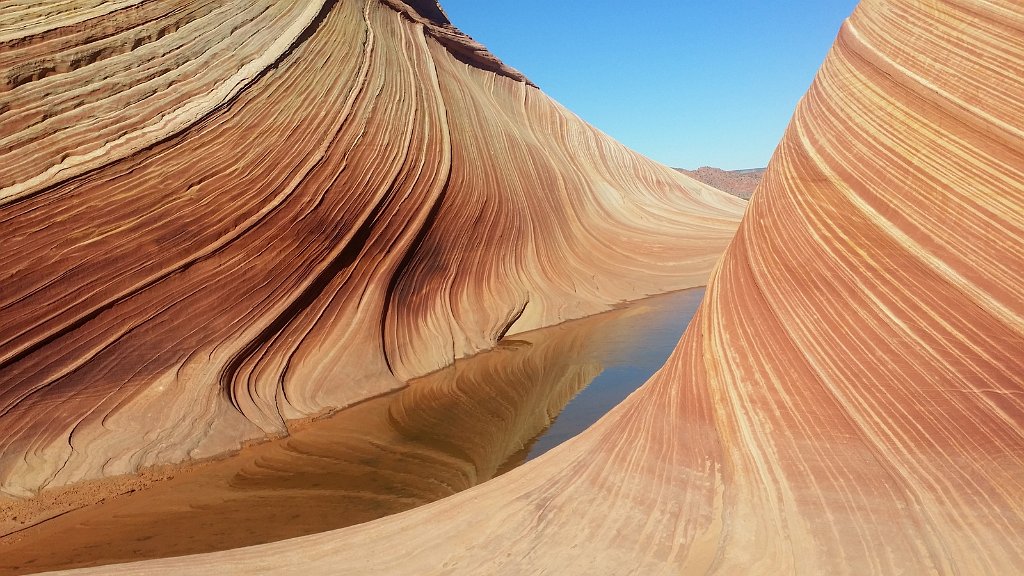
x=443 y=433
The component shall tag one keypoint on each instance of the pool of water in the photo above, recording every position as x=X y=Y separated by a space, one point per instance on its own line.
x=633 y=349
x=445 y=432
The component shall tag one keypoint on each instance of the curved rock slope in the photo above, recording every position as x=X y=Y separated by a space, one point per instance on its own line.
x=850 y=398
x=216 y=216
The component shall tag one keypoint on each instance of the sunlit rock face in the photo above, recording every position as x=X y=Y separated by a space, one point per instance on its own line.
x=849 y=399
x=218 y=216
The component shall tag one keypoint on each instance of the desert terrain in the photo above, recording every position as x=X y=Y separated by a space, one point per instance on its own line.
x=225 y=222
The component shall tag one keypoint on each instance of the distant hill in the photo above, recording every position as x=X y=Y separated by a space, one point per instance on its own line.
x=736 y=182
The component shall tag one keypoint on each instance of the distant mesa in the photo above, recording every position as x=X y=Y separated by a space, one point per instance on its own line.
x=741 y=183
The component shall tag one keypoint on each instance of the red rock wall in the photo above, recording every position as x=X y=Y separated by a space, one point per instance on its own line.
x=218 y=216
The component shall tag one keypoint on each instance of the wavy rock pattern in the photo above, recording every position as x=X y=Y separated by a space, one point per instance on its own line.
x=218 y=216
x=850 y=398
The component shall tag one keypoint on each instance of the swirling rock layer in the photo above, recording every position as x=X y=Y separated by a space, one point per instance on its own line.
x=850 y=398
x=218 y=216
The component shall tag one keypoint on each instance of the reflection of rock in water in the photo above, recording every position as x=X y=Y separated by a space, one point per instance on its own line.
x=480 y=413
x=444 y=433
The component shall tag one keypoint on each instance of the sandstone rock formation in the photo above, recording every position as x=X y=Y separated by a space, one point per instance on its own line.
x=850 y=398
x=216 y=217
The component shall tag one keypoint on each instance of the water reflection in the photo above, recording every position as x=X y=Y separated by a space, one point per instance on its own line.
x=444 y=433
x=637 y=346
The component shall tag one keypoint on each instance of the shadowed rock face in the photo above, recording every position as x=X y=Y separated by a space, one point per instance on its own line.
x=436 y=25
x=218 y=216
x=850 y=397
x=430 y=10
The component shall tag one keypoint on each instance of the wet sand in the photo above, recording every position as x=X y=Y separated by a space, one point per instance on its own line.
x=444 y=433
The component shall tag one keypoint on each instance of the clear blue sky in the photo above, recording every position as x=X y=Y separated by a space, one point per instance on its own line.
x=686 y=83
